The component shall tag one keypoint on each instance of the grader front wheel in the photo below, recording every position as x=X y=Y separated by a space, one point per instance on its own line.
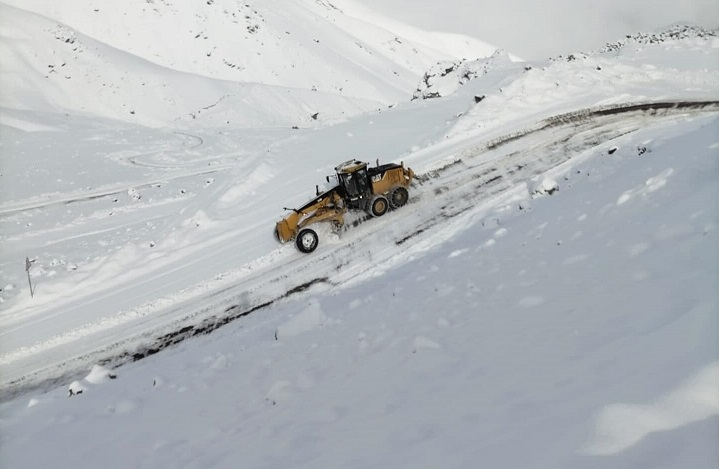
x=307 y=240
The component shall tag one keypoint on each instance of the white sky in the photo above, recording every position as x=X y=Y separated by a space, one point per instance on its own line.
x=536 y=30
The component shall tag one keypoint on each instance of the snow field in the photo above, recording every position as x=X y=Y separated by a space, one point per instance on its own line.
x=180 y=242
x=513 y=347
x=550 y=287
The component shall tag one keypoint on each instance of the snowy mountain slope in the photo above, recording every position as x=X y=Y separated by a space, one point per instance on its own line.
x=262 y=41
x=580 y=328
x=316 y=59
x=130 y=229
x=41 y=342
x=550 y=285
x=70 y=71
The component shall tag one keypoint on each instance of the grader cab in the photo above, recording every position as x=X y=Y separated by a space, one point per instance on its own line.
x=359 y=187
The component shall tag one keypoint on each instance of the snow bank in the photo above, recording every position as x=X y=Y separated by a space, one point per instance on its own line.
x=638 y=69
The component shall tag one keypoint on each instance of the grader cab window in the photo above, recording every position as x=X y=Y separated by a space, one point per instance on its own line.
x=356 y=183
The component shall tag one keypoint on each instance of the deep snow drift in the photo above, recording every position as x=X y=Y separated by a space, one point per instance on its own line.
x=551 y=285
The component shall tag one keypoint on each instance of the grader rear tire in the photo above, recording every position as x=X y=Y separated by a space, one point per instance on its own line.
x=398 y=197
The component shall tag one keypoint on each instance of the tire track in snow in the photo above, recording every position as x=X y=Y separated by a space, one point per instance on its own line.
x=67 y=198
x=137 y=159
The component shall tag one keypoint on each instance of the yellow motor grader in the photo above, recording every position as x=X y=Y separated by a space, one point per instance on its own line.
x=359 y=187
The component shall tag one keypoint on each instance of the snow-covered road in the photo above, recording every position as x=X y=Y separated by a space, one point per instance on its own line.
x=52 y=343
x=581 y=328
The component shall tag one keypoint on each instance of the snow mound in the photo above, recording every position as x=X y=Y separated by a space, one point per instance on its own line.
x=75 y=388
x=547 y=186
x=308 y=319
x=99 y=375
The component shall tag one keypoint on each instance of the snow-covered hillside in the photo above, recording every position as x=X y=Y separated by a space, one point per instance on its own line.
x=270 y=63
x=580 y=327
x=550 y=287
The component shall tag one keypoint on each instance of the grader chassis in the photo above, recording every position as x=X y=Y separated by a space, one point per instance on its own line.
x=359 y=187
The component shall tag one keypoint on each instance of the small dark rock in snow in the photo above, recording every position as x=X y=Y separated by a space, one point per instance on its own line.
x=546 y=187
x=612 y=150
x=132 y=192
x=641 y=150
x=314 y=116
x=75 y=388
